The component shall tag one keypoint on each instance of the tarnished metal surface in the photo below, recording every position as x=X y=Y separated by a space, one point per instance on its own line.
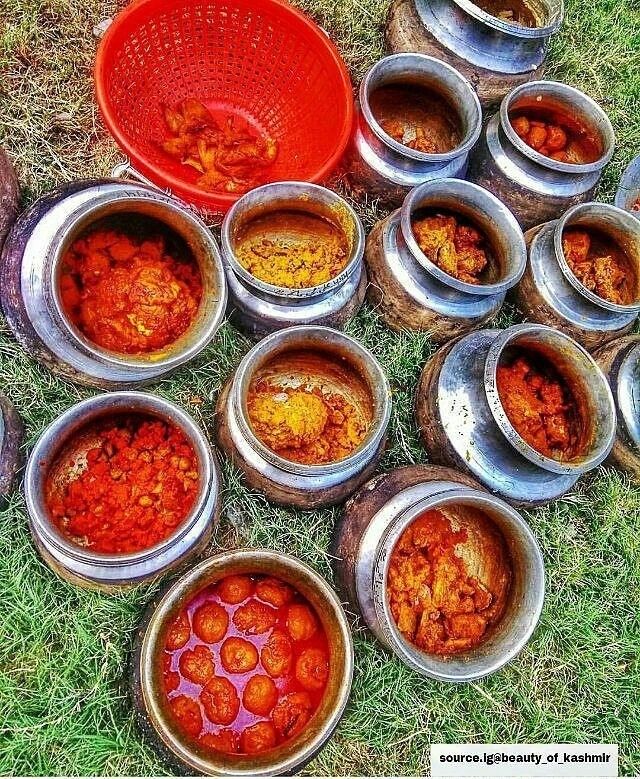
x=628 y=193
x=11 y=436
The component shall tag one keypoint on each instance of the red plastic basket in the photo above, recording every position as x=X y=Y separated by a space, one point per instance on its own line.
x=260 y=59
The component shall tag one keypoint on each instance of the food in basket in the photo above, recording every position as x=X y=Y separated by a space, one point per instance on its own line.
x=245 y=665
x=555 y=135
x=227 y=152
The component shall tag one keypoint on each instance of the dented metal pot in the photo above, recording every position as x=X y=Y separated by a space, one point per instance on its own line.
x=628 y=194
x=551 y=294
x=463 y=422
x=260 y=308
x=372 y=523
x=63 y=446
x=11 y=437
x=380 y=167
x=493 y=53
x=29 y=281
x=413 y=293
x=533 y=186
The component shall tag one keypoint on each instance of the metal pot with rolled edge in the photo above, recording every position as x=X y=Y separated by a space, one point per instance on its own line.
x=583 y=274
x=538 y=186
x=628 y=194
x=413 y=290
x=479 y=408
x=400 y=515
x=34 y=265
x=494 y=52
x=620 y=361
x=305 y=416
x=293 y=220
x=417 y=120
x=11 y=437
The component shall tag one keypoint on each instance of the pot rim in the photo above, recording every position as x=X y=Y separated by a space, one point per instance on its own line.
x=377 y=381
x=552 y=24
x=596 y=454
x=428 y=64
x=567 y=94
x=175 y=593
x=466 y=192
x=56 y=435
x=631 y=225
x=312 y=191
x=628 y=389
x=485 y=502
x=629 y=186
x=90 y=212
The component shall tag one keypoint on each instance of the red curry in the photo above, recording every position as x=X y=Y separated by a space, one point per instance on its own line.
x=556 y=135
x=245 y=665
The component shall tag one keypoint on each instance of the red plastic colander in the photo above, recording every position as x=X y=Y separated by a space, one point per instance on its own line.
x=261 y=60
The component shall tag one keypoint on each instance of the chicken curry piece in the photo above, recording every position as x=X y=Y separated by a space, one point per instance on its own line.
x=454 y=245
x=555 y=135
x=512 y=11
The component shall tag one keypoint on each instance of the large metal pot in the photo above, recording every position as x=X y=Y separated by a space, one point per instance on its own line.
x=496 y=55
x=628 y=194
x=64 y=444
x=11 y=435
x=380 y=166
x=463 y=422
x=413 y=293
x=369 y=529
x=534 y=187
x=29 y=288
x=260 y=308
x=9 y=195
x=550 y=293
x=147 y=685
x=620 y=360
x=281 y=480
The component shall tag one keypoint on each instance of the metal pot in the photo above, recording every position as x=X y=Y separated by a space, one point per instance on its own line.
x=64 y=443
x=290 y=483
x=620 y=360
x=373 y=521
x=147 y=684
x=413 y=293
x=463 y=422
x=550 y=293
x=494 y=54
x=537 y=188
x=11 y=436
x=9 y=195
x=260 y=308
x=29 y=272
x=381 y=167
x=628 y=194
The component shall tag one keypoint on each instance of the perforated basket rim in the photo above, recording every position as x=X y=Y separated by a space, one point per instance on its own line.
x=162 y=178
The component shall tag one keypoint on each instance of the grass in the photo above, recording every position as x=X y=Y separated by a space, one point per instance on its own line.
x=64 y=707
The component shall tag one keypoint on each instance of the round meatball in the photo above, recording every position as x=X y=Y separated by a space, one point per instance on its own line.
x=220 y=701
x=196 y=664
x=187 y=714
x=179 y=632
x=292 y=713
x=312 y=669
x=277 y=654
x=235 y=589
x=254 y=617
x=210 y=622
x=301 y=623
x=260 y=695
x=223 y=741
x=238 y=656
x=274 y=591
x=258 y=738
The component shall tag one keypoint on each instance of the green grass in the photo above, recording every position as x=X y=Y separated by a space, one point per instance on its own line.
x=64 y=707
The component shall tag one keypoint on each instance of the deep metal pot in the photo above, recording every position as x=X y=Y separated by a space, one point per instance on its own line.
x=550 y=293
x=620 y=360
x=493 y=54
x=413 y=293
x=29 y=270
x=11 y=436
x=463 y=422
x=364 y=539
x=290 y=483
x=534 y=187
x=628 y=194
x=147 y=686
x=87 y=568
x=260 y=308
x=9 y=195
x=382 y=168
